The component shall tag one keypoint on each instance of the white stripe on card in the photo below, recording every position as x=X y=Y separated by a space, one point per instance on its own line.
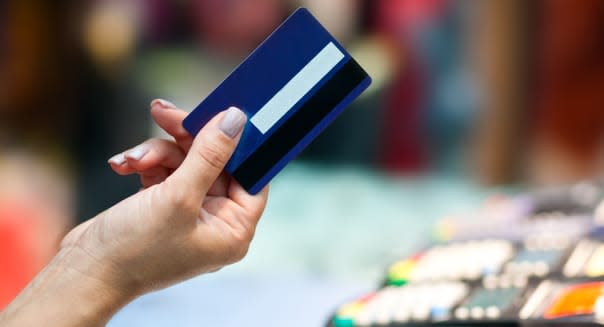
x=297 y=87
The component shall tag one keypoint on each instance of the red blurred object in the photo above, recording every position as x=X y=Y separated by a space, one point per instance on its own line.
x=402 y=147
x=395 y=16
x=19 y=261
x=571 y=76
x=235 y=27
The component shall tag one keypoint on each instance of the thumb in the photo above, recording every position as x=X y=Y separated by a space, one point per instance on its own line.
x=211 y=149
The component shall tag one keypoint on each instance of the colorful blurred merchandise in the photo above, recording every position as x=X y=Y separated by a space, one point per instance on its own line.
x=543 y=274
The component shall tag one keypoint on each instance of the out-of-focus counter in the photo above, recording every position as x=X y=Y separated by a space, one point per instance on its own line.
x=326 y=236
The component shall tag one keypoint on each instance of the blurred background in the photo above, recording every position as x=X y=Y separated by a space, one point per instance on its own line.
x=469 y=98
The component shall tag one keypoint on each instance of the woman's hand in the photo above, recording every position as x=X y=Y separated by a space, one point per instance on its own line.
x=190 y=218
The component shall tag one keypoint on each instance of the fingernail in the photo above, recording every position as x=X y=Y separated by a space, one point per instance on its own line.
x=138 y=152
x=117 y=159
x=165 y=104
x=232 y=122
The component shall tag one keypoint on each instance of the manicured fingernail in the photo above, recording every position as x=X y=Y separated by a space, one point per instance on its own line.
x=232 y=122
x=138 y=152
x=117 y=159
x=164 y=104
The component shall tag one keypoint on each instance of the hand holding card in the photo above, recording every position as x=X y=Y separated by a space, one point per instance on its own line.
x=291 y=87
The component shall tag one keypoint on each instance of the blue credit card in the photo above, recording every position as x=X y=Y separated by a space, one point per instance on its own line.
x=292 y=86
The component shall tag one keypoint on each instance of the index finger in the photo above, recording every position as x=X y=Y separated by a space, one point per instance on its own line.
x=169 y=118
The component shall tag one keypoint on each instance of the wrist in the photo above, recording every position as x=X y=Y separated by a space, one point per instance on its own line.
x=66 y=293
x=93 y=282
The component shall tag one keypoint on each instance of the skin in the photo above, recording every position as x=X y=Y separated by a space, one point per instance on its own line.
x=190 y=218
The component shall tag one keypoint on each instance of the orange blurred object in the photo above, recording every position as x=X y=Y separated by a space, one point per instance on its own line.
x=576 y=300
x=19 y=261
x=35 y=212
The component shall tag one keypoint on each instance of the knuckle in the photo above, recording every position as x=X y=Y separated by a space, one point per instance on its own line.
x=157 y=144
x=245 y=237
x=241 y=253
x=242 y=241
x=152 y=142
x=255 y=212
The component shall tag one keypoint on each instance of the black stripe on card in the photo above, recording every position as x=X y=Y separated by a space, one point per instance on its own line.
x=299 y=124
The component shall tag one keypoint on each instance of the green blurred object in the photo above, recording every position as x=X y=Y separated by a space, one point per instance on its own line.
x=343 y=322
